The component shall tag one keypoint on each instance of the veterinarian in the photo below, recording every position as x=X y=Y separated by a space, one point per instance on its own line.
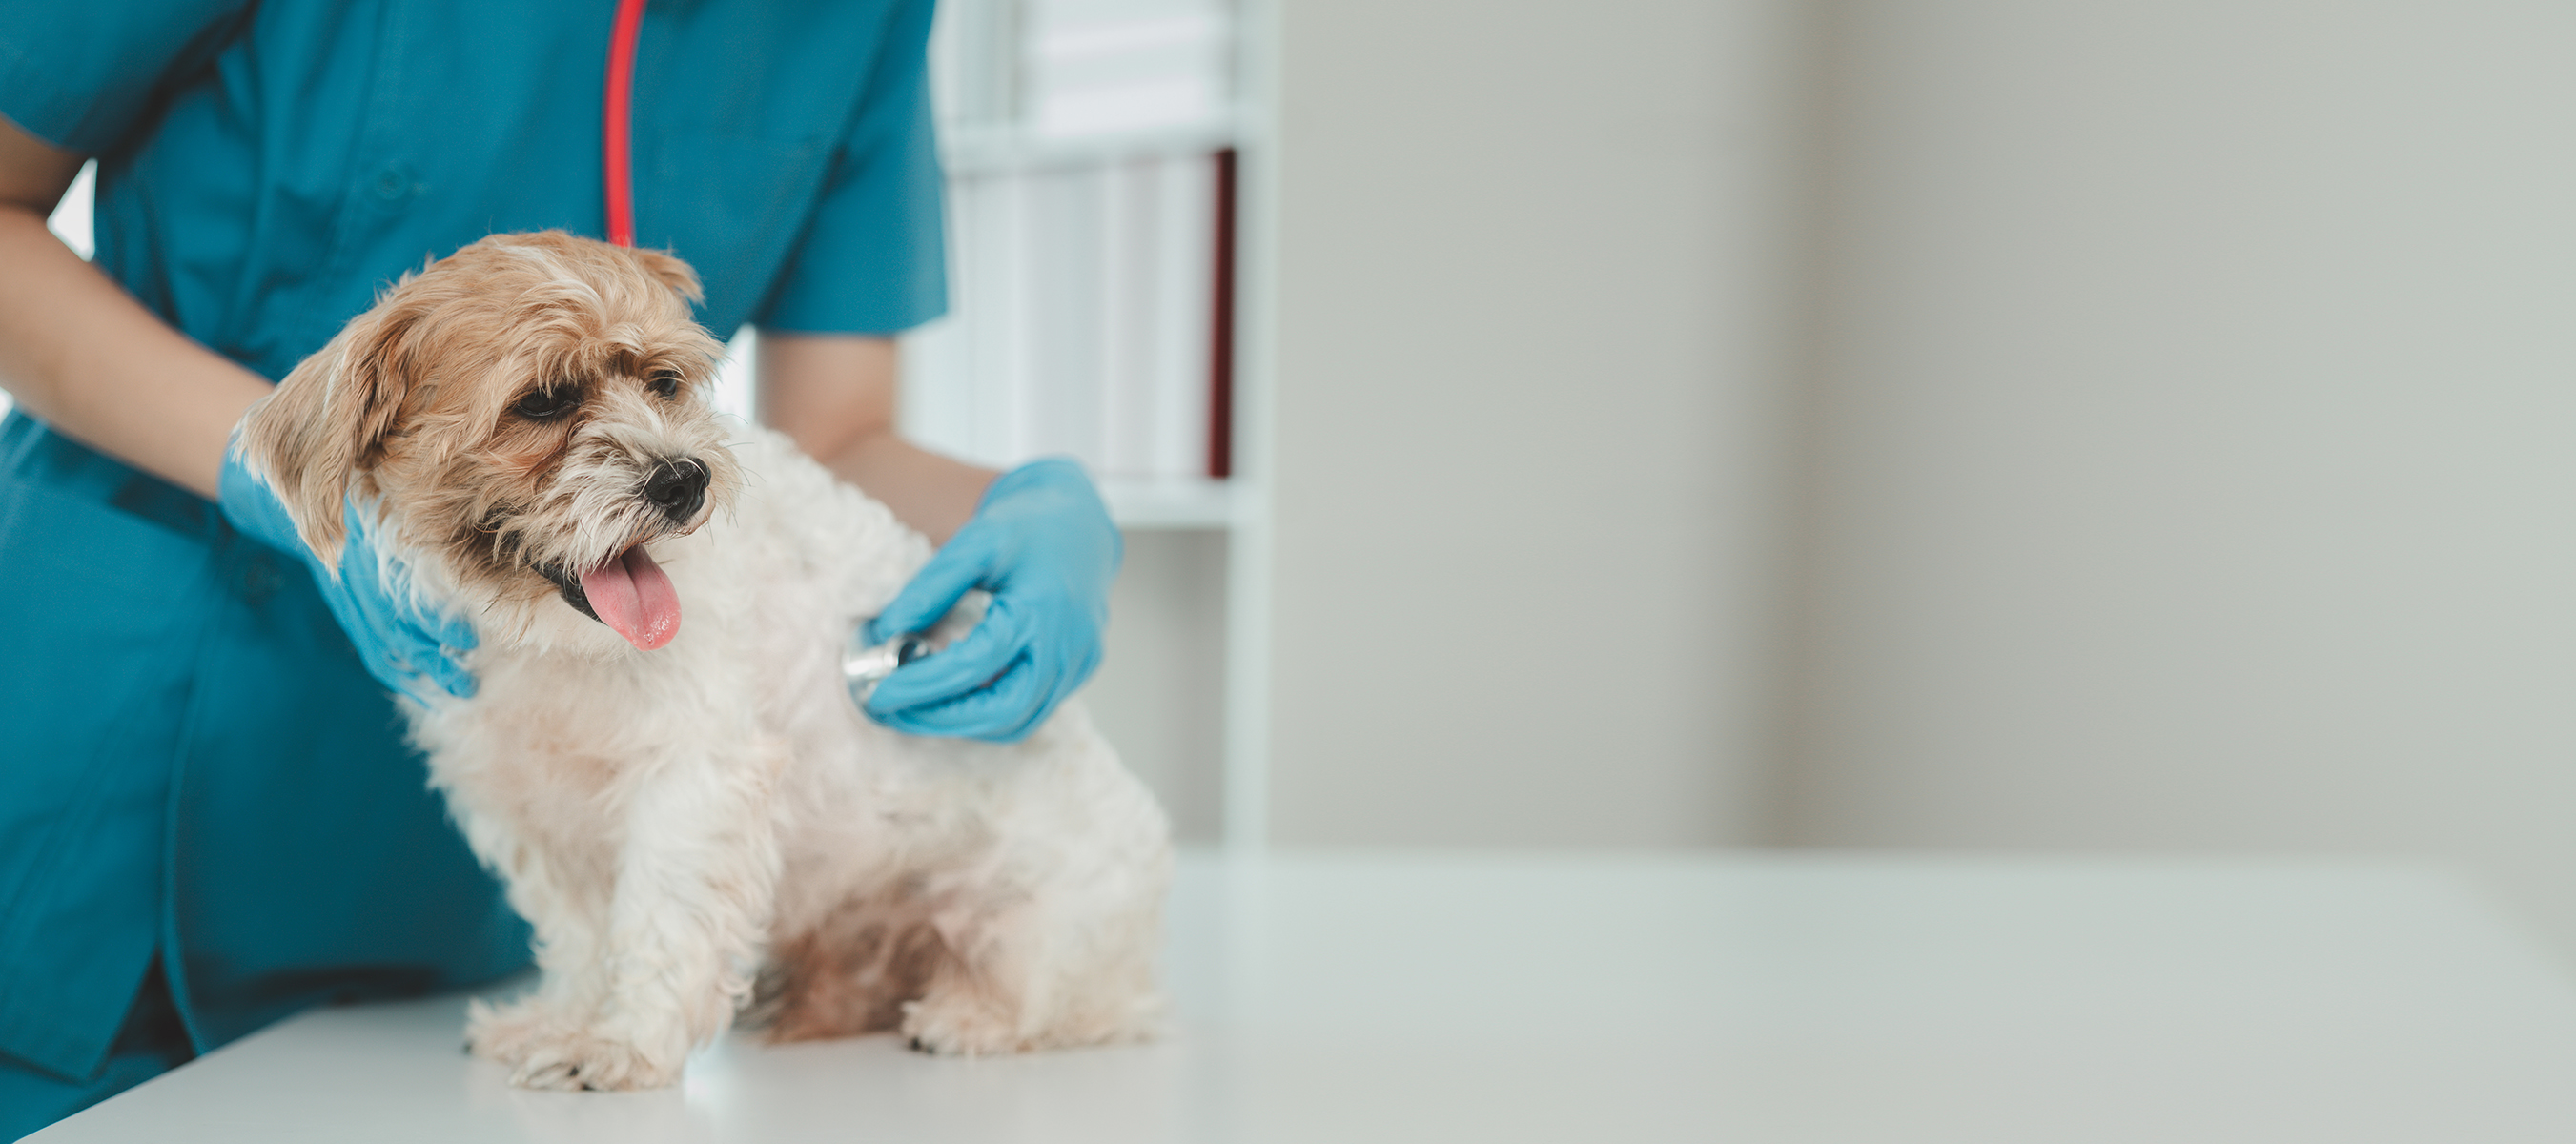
x=207 y=818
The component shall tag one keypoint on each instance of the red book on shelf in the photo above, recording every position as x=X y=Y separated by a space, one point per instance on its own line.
x=1221 y=333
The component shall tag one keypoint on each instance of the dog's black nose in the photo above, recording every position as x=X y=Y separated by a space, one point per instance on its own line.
x=679 y=487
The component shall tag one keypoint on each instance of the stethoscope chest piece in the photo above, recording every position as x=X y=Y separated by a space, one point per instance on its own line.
x=863 y=665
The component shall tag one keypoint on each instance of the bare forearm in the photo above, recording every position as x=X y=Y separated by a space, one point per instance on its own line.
x=927 y=491
x=79 y=353
x=835 y=397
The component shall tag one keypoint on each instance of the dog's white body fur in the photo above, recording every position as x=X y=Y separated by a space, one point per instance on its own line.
x=665 y=817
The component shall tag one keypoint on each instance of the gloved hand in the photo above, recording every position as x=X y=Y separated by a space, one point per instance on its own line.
x=403 y=647
x=1042 y=543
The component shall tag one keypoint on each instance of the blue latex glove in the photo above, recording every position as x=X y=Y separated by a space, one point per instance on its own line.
x=403 y=647
x=1042 y=543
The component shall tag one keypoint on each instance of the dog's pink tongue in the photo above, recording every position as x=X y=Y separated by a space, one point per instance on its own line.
x=633 y=595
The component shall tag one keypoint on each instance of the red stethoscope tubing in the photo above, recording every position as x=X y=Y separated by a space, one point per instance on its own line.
x=617 y=152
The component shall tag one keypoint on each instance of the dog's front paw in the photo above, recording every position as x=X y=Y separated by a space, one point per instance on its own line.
x=507 y=1032
x=958 y=1027
x=583 y=1059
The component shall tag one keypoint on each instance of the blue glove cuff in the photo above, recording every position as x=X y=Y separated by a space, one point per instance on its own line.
x=253 y=508
x=400 y=646
x=1040 y=473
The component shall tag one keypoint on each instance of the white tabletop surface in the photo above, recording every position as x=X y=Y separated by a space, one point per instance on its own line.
x=1496 y=999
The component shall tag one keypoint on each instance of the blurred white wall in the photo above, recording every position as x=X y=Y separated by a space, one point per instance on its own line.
x=2193 y=458
x=1160 y=691
x=1527 y=340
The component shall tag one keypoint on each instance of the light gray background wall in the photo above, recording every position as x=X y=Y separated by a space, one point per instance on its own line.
x=1526 y=389
x=2177 y=450
x=2194 y=461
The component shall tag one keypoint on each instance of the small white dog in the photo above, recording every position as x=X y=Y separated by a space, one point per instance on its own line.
x=696 y=820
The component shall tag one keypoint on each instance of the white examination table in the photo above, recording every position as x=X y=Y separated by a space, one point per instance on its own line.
x=1491 y=998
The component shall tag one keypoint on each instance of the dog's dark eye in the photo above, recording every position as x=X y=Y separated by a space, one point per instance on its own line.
x=665 y=382
x=547 y=404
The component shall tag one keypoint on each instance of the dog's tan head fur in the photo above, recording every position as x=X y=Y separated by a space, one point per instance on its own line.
x=524 y=410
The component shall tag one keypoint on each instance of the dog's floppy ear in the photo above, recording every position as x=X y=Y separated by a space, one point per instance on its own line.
x=671 y=271
x=327 y=422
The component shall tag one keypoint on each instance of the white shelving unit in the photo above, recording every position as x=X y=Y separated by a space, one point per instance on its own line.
x=1172 y=502
x=998 y=148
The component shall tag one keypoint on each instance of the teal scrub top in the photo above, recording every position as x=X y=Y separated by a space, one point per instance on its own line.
x=192 y=758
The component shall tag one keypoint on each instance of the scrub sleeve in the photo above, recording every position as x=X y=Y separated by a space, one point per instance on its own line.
x=879 y=208
x=208 y=816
